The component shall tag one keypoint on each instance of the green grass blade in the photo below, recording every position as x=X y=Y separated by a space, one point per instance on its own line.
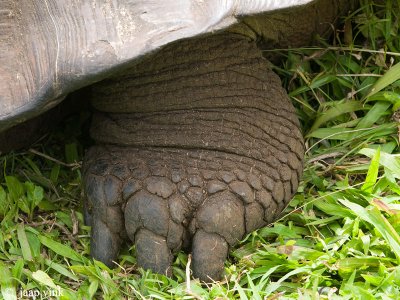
x=44 y=279
x=15 y=187
x=341 y=134
x=17 y=269
x=373 y=216
x=347 y=134
x=372 y=174
x=60 y=269
x=23 y=242
x=8 y=289
x=273 y=286
x=60 y=248
x=316 y=83
x=255 y=293
x=333 y=209
x=392 y=75
x=339 y=108
x=71 y=153
x=351 y=264
x=389 y=161
x=373 y=115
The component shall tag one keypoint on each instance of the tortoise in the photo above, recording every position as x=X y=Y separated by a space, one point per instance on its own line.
x=197 y=143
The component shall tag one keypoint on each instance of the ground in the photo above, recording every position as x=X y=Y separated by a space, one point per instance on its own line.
x=338 y=239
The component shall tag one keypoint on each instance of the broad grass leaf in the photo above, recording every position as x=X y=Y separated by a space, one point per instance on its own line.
x=324 y=221
x=64 y=218
x=347 y=134
x=99 y=265
x=55 y=173
x=241 y=292
x=61 y=269
x=33 y=166
x=108 y=285
x=44 y=279
x=266 y=273
x=34 y=193
x=93 y=271
x=349 y=64
x=23 y=205
x=273 y=286
x=84 y=270
x=360 y=293
x=8 y=288
x=391 y=181
x=60 y=249
x=342 y=134
x=4 y=203
x=299 y=253
x=347 y=266
x=34 y=242
x=373 y=279
x=15 y=188
x=373 y=216
x=93 y=287
x=372 y=174
x=17 y=269
x=392 y=75
x=373 y=115
x=394 y=98
x=282 y=231
x=255 y=289
x=389 y=161
x=23 y=242
x=322 y=80
x=338 y=108
x=198 y=290
x=71 y=153
x=333 y=209
x=316 y=83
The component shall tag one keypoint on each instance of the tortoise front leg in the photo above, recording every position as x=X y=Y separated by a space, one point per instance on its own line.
x=202 y=146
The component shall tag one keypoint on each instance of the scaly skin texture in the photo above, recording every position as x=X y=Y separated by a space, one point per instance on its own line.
x=198 y=145
x=295 y=26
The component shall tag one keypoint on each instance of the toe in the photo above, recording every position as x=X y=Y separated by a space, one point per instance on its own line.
x=104 y=244
x=152 y=252
x=209 y=252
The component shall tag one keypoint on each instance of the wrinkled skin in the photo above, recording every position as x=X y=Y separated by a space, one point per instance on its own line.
x=197 y=146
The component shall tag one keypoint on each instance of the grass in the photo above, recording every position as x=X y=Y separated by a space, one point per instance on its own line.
x=338 y=239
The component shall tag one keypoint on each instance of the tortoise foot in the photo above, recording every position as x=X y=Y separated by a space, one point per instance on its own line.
x=165 y=200
x=196 y=146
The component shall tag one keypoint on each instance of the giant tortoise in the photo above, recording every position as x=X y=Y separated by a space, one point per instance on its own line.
x=197 y=143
